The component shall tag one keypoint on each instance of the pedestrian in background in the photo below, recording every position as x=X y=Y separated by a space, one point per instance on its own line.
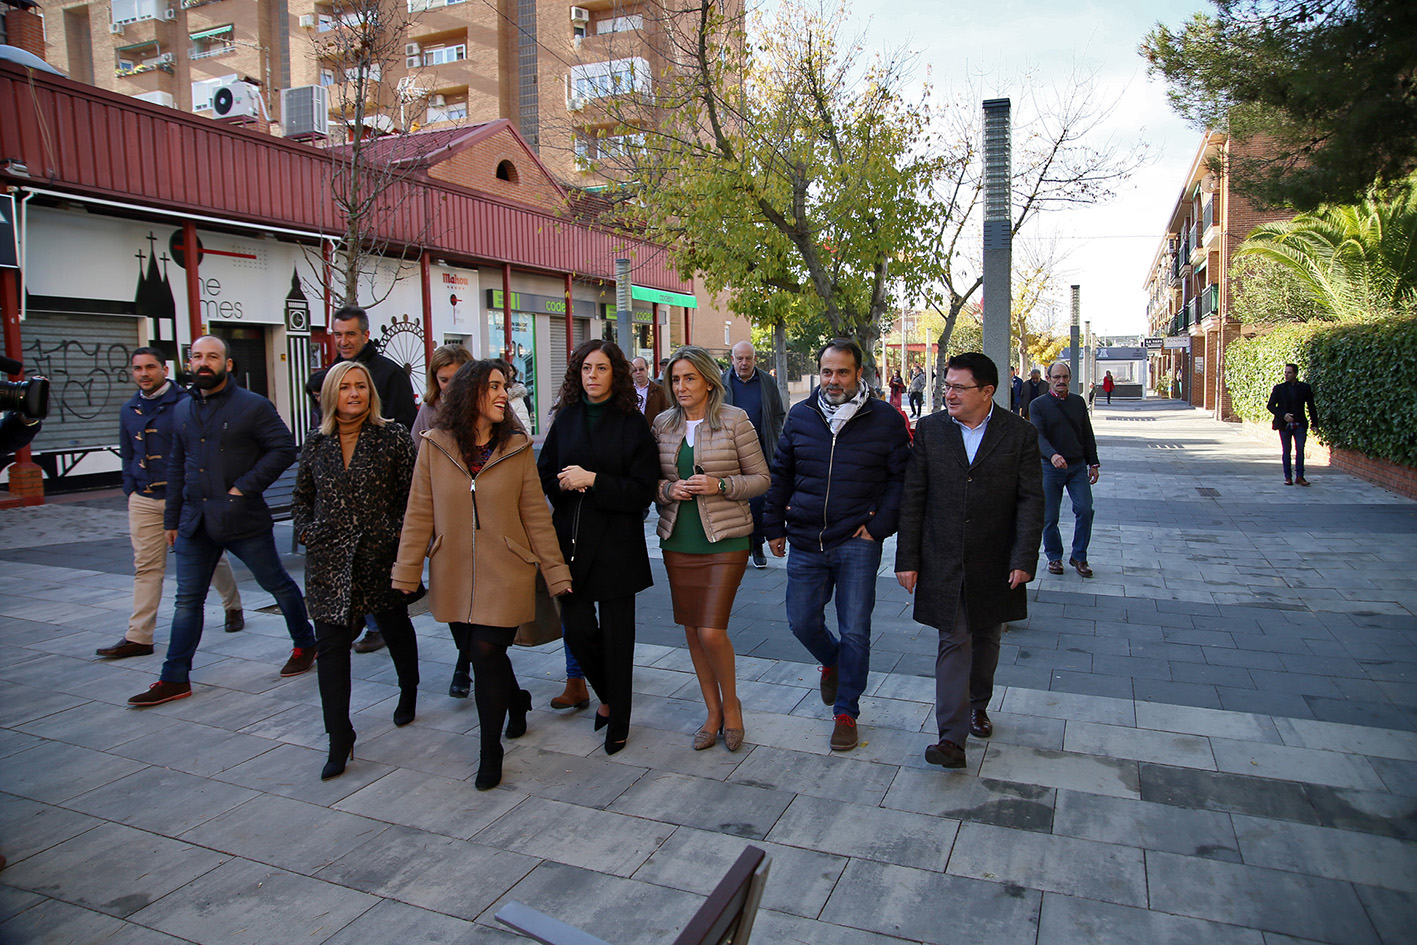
x=144 y=441
x=970 y=519
x=476 y=512
x=348 y=508
x=897 y=386
x=1287 y=402
x=747 y=386
x=1015 y=391
x=228 y=446
x=1069 y=456
x=917 y=391
x=710 y=464
x=1108 y=386
x=1033 y=388
x=599 y=466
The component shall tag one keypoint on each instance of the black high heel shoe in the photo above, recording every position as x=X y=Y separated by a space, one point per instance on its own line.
x=461 y=686
x=516 y=714
x=408 y=704
x=615 y=738
x=489 y=769
x=341 y=750
x=601 y=721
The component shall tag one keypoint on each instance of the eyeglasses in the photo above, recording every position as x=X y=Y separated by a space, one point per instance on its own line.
x=961 y=387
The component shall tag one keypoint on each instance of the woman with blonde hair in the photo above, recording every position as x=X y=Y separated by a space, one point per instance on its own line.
x=710 y=466
x=348 y=509
x=477 y=513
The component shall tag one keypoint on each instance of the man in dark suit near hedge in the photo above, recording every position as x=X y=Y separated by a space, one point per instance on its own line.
x=1287 y=402
x=971 y=518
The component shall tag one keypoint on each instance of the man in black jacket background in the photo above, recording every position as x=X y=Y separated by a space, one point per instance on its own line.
x=228 y=446
x=1287 y=402
x=1069 y=452
x=349 y=327
x=835 y=496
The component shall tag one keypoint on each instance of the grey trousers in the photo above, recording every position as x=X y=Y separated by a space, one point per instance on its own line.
x=964 y=674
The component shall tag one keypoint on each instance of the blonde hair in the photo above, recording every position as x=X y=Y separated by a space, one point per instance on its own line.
x=443 y=356
x=702 y=362
x=329 y=397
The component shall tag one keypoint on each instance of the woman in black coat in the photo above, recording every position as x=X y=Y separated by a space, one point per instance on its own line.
x=348 y=510
x=599 y=466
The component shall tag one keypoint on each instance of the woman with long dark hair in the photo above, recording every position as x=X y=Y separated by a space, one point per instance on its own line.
x=347 y=509
x=477 y=513
x=710 y=465
x=599 y=466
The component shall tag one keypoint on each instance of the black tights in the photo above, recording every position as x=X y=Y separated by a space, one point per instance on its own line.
x=494 y=681
x=332 y=643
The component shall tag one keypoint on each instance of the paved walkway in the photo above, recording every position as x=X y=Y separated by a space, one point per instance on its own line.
x=1213 y=740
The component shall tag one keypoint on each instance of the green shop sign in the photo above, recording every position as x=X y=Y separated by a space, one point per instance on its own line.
x=643 y=294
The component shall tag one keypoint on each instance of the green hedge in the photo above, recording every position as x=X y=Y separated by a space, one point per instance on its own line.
x=1364 y=377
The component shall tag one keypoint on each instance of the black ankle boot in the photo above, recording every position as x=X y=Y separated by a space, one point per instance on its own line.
x=408 y=703
x=489 y=769
x=516 y=714
x=341 y=750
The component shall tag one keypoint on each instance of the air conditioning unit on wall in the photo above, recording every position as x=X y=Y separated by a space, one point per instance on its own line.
x=305 y=112
x=580 y=15
x=237 y=100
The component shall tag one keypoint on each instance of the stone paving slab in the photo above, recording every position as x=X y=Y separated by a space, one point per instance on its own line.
x=1215 y=740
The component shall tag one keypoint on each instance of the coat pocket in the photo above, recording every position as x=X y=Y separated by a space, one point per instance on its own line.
x=434 y=545
x=522 y=552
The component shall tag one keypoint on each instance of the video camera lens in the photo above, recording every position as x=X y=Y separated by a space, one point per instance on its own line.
x=29 y=398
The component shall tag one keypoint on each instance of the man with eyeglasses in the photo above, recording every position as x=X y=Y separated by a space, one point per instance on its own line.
x=971 y=515
x=1069 y=452
x=835 y=496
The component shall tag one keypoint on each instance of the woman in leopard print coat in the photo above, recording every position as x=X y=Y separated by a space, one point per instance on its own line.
x=348 y=509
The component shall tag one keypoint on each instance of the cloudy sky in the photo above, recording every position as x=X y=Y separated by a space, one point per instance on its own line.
x=1109 y=248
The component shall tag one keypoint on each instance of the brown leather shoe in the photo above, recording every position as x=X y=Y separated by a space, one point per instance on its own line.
x=1081 y=566
x=575 y=696
x=124 y=648
x=946 y=754
x=979 y=724
x=1301 y=481
x=371 y=641
x=235 y=620
x=1055 y=567
x=844 y=734
x=301 y=659
x=160 y=692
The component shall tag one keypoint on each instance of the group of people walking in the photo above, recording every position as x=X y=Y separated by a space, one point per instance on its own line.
x=498 y=525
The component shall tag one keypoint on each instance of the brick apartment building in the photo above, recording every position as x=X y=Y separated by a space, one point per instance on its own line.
x=1188 y=282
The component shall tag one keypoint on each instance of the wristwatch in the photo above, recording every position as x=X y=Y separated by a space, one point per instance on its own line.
x=722 y=487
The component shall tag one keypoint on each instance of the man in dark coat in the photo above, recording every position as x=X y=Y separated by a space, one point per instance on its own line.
x=349 y=327
x=228 y=446
x=651 y=396
x=1068 y=450
x=749 y=388
x=835 y=496
x=1033 y=388
x=971 y=517
x=1287 y=402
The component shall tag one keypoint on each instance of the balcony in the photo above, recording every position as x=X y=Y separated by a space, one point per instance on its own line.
x=1208 y=301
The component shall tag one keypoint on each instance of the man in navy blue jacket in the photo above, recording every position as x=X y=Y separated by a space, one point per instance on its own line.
x=144 y=433
x=835 y=496
x=228 y=446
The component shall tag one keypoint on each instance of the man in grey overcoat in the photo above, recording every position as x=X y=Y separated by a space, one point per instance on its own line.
x=971 y=519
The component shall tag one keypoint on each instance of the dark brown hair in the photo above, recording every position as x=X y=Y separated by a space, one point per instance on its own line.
x=458 y=411
x=622 y=384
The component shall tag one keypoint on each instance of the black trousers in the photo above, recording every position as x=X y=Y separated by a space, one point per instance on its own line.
x=494 y=681
x=332 y=644
x=605 y=648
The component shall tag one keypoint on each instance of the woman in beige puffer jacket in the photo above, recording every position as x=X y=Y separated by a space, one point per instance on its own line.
x=710 y=466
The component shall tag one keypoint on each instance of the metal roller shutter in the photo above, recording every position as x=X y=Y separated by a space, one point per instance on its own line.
x=86 y=358
x=581 y=326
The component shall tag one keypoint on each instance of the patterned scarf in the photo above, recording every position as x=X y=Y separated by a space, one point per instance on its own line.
x=838 y=414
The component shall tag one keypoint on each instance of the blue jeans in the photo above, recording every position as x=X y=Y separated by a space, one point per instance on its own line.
x=849 y=569
x=1293 y=439
x=1074 y=478
x=196 y=560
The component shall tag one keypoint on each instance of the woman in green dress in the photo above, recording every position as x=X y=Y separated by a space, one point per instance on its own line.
x=710 y=466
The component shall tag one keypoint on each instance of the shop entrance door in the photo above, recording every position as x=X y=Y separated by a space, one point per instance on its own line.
x=248 y=352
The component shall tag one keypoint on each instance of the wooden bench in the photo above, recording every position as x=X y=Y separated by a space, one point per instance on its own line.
x=725 y=917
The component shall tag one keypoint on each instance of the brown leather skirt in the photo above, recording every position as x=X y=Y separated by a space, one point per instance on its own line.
x=703 y=586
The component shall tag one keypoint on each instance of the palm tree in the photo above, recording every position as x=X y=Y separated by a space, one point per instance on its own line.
x=1354 y=261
